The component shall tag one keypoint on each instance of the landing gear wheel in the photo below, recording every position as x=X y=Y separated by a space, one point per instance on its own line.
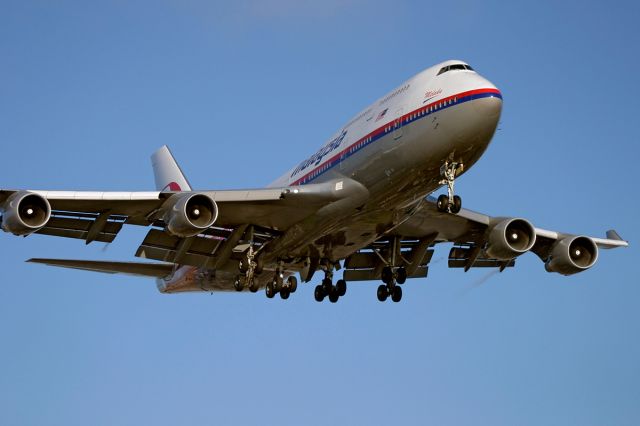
x=442 y=203
x=318 y=293
x=382 y=293
x=387 y=275
x=457 y=204
x=341 y=286
x=327 y=285
x=333 y=295
x=243 y=266
x=237 y=284
x=253 y=288
x=396 y=294
x=278 y=281
x=284 y=293
x=270 y=290
x=292 y=284
x=401 y=275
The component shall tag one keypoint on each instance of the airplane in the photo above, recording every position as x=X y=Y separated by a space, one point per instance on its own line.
x=362 y=203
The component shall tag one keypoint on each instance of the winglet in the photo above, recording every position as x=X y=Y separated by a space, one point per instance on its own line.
x=613 y=240
x=613 y=235
x=167 y=172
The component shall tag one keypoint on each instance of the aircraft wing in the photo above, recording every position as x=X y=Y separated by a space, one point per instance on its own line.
x=99 y=216
x=485 y=241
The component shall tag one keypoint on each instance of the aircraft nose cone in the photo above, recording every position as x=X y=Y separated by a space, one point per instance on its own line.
x=489 y=107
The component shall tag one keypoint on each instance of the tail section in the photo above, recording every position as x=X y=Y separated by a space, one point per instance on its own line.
x=167 y=172
x=143 y=269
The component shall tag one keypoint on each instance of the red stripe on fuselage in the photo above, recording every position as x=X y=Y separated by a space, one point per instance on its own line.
x=380 y=129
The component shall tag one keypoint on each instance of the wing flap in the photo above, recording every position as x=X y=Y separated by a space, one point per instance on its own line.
x=79 y=228
x=373 y=275
x=159 y=245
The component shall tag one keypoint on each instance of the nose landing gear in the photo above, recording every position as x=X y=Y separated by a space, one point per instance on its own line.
x=449 y=203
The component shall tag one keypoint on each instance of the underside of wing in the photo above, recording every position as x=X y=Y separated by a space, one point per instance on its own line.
x=485 y=241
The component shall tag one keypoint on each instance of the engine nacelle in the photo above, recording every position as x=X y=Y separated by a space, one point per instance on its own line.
x=24 y=213
x=571 y=255
x=186 y=215
x=510 y=238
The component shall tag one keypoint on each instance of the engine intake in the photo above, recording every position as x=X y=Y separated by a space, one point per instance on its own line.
x=25 y=213
x=189 y=214
x=510 y=238
x=571 y=255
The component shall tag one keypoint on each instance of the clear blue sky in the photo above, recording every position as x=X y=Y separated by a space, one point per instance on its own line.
x=243 y=90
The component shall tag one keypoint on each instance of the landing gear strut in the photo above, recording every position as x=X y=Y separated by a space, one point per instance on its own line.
x=250 y=265
x=334 y=292
x=449 y=203
x=391 y=275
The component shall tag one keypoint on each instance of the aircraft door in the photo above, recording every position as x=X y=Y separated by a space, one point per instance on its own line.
x=397 y=124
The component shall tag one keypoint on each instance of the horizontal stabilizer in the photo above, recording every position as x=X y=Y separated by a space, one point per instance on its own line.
x=144 y=269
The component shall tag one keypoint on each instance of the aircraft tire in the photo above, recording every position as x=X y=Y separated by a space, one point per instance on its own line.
x=382 y=293
x=401 y=275
x=387 y=275
x=318 y=293
x=237 y=284
x=457 y=204
x=292 y=283
x=442 y=203
x=396 y=295
x=270 y=290
x=327 y=285
x=333 y=295
x=341 y=286
x=278 y=281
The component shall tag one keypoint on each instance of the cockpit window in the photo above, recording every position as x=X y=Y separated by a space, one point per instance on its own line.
x=454 y=67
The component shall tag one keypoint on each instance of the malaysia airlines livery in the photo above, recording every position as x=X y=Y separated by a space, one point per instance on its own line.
x=360 y=203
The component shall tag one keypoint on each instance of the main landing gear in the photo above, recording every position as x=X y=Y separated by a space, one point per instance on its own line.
x=391 y=287
x=279 y=285
x=249 y=266
x=449 y=203
x=327 y=288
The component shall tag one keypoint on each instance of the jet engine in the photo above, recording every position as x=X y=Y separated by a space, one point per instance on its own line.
x=510 y=238
x=24 y=213
x=186 y=215
x=571 y=255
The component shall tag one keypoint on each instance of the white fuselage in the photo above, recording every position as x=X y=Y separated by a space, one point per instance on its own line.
x=421 y=98
x=395 y=148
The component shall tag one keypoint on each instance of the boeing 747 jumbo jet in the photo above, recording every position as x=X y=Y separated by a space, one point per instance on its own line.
x=361 y=203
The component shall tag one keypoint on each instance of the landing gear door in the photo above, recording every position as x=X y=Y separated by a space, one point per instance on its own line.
x=397 y=124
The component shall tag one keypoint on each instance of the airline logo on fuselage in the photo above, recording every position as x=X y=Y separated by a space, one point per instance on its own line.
x=316 y=158
x=430 y=94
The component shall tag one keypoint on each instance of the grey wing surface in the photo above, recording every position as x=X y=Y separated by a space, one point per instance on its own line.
x=99 y=216
x=484 y=241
